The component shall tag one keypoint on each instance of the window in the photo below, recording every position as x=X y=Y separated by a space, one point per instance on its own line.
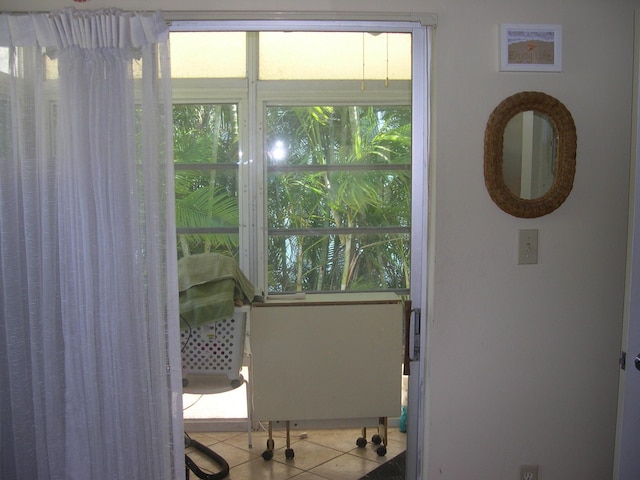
x=296 y=160
x=338 y=197
x=206 y=153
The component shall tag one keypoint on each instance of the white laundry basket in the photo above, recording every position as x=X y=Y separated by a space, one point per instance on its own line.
x=212 y=354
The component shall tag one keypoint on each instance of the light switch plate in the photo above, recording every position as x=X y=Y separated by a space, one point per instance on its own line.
x=527 y=247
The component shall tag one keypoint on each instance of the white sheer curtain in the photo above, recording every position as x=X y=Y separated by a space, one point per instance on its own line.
x=89 y=347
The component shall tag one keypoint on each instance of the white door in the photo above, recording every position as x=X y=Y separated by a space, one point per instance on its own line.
x=628 y=435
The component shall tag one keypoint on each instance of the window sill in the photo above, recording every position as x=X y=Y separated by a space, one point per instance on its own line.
x=314 y=299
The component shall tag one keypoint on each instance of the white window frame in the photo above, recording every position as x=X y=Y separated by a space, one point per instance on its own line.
x=253 y=96
x=268 y=97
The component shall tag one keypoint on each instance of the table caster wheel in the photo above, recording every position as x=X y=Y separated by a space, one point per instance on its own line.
x=381 y=451
x=361 y=442
x=376 y=439
x=267 y=454
x=288 y=453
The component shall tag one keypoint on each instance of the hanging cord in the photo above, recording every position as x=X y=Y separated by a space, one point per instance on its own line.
x=195 y=402
x=191 y=465
x=363 y=61
x=186 y=342
x=386 y=80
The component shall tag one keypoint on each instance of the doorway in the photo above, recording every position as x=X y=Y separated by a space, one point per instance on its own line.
x=386 y=87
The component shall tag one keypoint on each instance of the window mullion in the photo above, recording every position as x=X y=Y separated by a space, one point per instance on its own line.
x=254 y=226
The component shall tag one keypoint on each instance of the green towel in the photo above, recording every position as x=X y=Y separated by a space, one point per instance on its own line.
x=210 y=285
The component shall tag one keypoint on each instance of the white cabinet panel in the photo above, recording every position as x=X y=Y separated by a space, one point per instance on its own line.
x=326 y=360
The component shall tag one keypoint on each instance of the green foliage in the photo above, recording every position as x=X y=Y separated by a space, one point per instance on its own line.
x=368 y=189
x=338 y=192
x=206 y=136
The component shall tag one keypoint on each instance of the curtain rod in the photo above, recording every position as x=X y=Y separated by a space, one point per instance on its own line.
x=424 y=18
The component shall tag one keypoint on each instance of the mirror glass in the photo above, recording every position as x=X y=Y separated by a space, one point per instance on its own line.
x=529 y=154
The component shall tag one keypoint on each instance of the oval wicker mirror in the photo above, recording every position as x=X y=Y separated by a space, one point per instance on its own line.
x=564 y=159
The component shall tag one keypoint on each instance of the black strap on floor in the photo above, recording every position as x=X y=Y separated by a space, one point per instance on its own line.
x=191 y=465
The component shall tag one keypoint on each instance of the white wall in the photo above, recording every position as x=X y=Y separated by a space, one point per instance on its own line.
x=522 y=360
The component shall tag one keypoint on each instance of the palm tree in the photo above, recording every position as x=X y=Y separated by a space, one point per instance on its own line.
x=339 y=184
x=205 y=146
x=346 y=177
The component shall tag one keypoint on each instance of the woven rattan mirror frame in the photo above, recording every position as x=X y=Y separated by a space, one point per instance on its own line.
x=565 y=159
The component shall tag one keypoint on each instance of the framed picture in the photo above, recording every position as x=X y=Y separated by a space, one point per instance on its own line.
x=530 y=48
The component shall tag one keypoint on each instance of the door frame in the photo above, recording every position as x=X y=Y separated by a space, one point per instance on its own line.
x=417 y=411
x=626 y=461
x=418 y=24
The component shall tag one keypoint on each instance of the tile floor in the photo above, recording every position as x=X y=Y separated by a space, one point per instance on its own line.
x=320 y=455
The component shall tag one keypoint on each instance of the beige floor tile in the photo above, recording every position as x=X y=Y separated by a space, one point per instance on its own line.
x=343 y=440
x=259 y=469
x=308 y=476
x=233 y=455
x=211 y=438
x=345 y=467
x=396 y=443
x=395 y=435
x=258 y=441
x=319 y=455
x=369 y=452
x=306 y=455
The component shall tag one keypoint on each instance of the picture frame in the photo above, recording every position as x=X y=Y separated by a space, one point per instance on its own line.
x=530 y=48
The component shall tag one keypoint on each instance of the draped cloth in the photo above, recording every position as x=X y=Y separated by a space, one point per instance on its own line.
x=89 y=343
x=211 y=285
